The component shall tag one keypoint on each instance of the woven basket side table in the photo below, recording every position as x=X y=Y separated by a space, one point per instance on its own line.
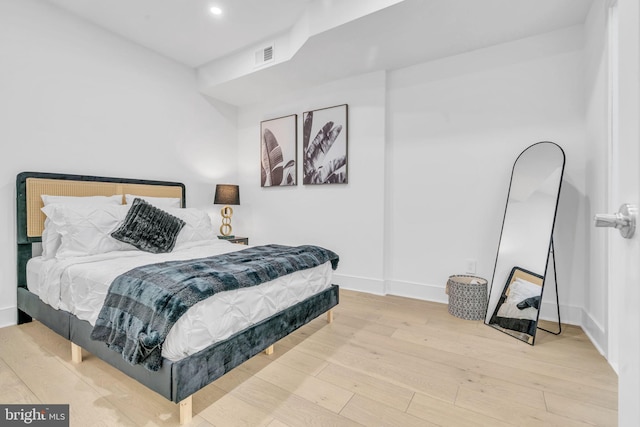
x=467 y=297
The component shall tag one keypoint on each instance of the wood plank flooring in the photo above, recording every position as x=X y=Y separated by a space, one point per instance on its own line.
x=384 y=361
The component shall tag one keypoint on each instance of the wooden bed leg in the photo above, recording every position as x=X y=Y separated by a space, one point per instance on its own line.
x=269 y=350
x=76 y=353
x=330 y=316
x=186 y=410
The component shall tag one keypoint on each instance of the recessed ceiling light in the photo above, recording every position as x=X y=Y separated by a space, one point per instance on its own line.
x=215 y=10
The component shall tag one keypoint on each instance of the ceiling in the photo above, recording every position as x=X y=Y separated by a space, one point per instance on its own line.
x=397 y=35
x=185 y=30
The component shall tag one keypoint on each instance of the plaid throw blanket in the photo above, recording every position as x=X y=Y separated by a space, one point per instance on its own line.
x=143 y=304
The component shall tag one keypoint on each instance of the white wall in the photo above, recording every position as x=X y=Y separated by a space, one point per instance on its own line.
x=346 y=218
x=430 y=152
x=456 y=126
x=77 y=99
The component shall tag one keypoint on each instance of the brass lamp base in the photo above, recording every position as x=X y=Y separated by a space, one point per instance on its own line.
x=225 y=228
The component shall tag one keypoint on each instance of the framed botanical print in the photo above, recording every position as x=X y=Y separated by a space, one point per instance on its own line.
x=324 y=145
x=278 y=151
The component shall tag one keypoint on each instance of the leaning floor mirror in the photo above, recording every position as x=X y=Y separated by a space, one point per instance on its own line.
x=526 y=242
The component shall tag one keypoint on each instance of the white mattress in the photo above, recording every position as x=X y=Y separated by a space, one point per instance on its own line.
x=79 y=285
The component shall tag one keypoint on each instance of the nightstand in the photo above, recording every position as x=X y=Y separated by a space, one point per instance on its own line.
x=239 y=240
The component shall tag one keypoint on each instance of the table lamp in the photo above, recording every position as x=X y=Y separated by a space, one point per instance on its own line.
x=226 y=194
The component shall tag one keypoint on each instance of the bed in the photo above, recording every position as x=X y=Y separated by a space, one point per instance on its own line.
x=70 y=310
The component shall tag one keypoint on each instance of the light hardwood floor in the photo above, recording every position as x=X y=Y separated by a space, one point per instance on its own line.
x=384 y=361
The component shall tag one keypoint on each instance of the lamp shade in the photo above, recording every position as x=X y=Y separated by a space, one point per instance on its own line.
x=227 y=194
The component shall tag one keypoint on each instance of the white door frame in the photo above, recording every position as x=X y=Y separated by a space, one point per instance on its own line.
x=625 y=253
x=613 y=294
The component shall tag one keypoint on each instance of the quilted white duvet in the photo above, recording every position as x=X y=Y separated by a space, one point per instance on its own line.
x=80 y=284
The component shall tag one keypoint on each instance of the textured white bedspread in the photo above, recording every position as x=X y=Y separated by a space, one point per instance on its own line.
x=79 y=285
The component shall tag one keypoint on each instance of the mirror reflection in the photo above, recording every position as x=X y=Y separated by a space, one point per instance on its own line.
x=525 y=242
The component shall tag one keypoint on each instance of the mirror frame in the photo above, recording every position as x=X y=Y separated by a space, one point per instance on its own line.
x=550 y=250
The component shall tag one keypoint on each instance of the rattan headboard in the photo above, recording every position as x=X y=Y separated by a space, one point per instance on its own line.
x=31 y=185
x=35 y=187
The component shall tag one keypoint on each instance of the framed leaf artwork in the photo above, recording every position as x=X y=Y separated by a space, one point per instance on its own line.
x=324 y=145
x=278 y=151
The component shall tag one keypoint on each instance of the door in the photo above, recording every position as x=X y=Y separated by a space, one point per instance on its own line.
x=624 y=260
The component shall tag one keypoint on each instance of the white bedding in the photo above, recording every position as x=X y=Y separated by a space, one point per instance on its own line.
x=79 y=285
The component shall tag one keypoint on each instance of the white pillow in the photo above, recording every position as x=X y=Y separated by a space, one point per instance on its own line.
x=82 y=200
x=50 y=235
x=86 y=230
x=522 y=289
x=197 y=225
x=159 y=202
x=519 y=291
x=511 y=310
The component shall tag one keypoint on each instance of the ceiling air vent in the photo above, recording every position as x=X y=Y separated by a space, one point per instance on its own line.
x=264 y=55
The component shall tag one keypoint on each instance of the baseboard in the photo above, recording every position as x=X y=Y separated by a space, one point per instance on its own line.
x=595 y=332
x=392 y=287
x=435 y=293
x=8 y=316
x=569 y=315
x=359 y=284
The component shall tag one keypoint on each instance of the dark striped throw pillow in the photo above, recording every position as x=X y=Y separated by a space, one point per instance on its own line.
x=149 y=228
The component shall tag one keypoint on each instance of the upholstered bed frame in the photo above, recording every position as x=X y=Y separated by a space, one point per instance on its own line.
x=176 y=381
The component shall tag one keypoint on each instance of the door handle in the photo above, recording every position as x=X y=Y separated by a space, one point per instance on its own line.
x=624 y=220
